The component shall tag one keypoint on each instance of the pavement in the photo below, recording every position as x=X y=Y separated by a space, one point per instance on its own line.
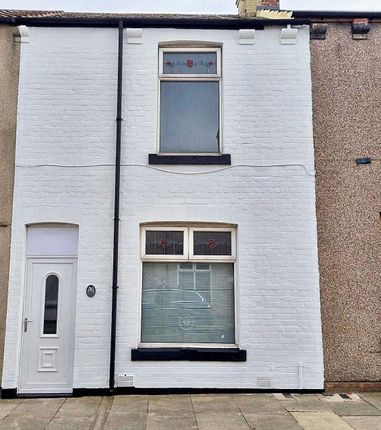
x=196 y=412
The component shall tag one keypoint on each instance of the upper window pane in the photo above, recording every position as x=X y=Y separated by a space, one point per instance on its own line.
x=190 y=63
x=212 y=243
x=189 y=117
x=164 y=243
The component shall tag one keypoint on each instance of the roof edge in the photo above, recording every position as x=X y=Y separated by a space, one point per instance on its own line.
x=313 y=14
x=159 y=22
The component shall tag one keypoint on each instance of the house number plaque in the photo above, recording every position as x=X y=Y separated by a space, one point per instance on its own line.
x=90 y=291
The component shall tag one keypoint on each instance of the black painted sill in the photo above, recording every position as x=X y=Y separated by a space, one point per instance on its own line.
x=188 y=354
x=223 y=159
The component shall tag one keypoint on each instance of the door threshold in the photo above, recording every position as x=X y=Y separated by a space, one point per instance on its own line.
x=43 y=395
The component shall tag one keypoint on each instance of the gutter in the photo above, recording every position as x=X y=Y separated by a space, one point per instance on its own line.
x=115 y=262
x=159 y=22
x=303 y=14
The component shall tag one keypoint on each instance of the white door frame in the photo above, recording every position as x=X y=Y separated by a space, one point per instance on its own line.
x=71 y=315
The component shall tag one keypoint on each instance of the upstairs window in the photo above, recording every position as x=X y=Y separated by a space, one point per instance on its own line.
x=190 y=101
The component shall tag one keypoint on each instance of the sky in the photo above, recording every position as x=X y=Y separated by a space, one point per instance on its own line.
x=182 y=6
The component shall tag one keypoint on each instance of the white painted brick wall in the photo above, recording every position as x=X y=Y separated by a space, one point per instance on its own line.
x=67 y=116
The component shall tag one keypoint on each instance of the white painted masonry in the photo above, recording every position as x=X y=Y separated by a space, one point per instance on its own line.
x=66 y=117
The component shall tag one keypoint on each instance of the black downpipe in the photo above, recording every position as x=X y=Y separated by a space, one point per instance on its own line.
x=119 y=120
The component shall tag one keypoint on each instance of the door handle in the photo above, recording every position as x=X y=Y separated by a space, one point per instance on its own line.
x=26 y=321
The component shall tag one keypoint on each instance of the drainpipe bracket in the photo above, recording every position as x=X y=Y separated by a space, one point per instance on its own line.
x=288 y=36
x=360 y=29
x=318 y=31
x=246 y=37
x=21 y=34
x=134 y=36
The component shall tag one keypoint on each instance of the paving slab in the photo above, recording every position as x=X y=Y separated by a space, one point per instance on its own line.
x=170 y=404
x=7 y=406
x=275 y=421
x=102 y=413
x=354 y=407
x=126 y=412
x=23 y=423
x=221 y=421
x=170 y=422
x=261 y=403
x=364 y=423
x=83 y=407
x=129 y=404
x=171 y=412
x=38 y=408
x=214 y=403
x=372 y=398
x=69 y=424
x=308 y=402
x=130 y=421
x=320 y=421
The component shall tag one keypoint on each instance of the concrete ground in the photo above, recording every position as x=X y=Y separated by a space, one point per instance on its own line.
x=196 y=411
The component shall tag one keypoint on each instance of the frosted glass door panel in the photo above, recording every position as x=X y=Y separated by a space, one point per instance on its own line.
x=52 y=241
x=51 y=305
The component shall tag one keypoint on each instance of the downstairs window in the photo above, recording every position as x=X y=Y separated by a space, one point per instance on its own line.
x=188 y=286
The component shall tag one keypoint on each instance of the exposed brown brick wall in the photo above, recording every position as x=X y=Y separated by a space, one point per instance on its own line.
x=9 y=63
x=346 y=78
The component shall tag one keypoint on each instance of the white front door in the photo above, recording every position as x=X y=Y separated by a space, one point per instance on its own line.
x=48 y=326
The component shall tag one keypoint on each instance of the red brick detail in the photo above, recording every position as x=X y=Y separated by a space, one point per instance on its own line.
x=271 y=3
x=361 y=21
x=352 y=387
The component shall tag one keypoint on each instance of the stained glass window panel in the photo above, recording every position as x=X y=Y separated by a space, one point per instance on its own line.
x=212 y=243
x=190 y=63
x=164 y=243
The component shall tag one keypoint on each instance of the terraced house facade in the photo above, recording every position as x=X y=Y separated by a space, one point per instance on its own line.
x=164 y=224
x=346 y=64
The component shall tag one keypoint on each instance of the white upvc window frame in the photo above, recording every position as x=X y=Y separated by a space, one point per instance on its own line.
x=213 y=258
x=160 y=257
x=193 y=78
x=188 y=247
x=188 y=255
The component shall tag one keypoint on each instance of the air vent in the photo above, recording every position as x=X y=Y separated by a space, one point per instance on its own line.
x=263 y=382
x=125 y=380
x=284 y=396
x=345 y=396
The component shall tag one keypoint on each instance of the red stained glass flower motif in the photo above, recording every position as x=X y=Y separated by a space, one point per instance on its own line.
x=164 y=243
x=212 y=243
x=189 y=63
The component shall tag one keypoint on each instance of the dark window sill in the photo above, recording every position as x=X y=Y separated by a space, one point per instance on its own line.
x=188 y=354
x=223 y=159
